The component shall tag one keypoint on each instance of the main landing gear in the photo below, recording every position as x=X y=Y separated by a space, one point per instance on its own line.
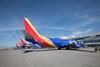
x=59 y=48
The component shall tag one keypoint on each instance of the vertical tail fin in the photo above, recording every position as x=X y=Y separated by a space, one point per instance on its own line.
x=23 y=41
x=30 y=29
x=37 y=37
x=18 y=45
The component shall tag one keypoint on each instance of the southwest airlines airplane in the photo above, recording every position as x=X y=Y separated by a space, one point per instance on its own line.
x=43 y=41
x=22 y=44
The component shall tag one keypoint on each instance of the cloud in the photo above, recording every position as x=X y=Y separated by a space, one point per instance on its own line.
x=68 y=37
x=10 y=29
x=76 y=34
x=89 y=19
x=81 y=33
x=86 y=19
x=53 y=28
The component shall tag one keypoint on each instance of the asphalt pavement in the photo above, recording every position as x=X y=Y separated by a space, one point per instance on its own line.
x=49 y=58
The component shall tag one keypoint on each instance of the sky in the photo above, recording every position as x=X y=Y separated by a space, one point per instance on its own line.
x=52 y=18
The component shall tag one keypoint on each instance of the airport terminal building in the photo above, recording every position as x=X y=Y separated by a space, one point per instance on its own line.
x=90 y=40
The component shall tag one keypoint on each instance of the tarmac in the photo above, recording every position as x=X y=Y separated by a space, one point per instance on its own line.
x=85 y=57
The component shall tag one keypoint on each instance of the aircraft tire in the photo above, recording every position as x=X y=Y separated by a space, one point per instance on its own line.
x=59 y=48
x=67 y=48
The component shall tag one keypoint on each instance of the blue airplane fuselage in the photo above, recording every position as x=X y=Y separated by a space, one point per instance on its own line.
x=59 y=42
